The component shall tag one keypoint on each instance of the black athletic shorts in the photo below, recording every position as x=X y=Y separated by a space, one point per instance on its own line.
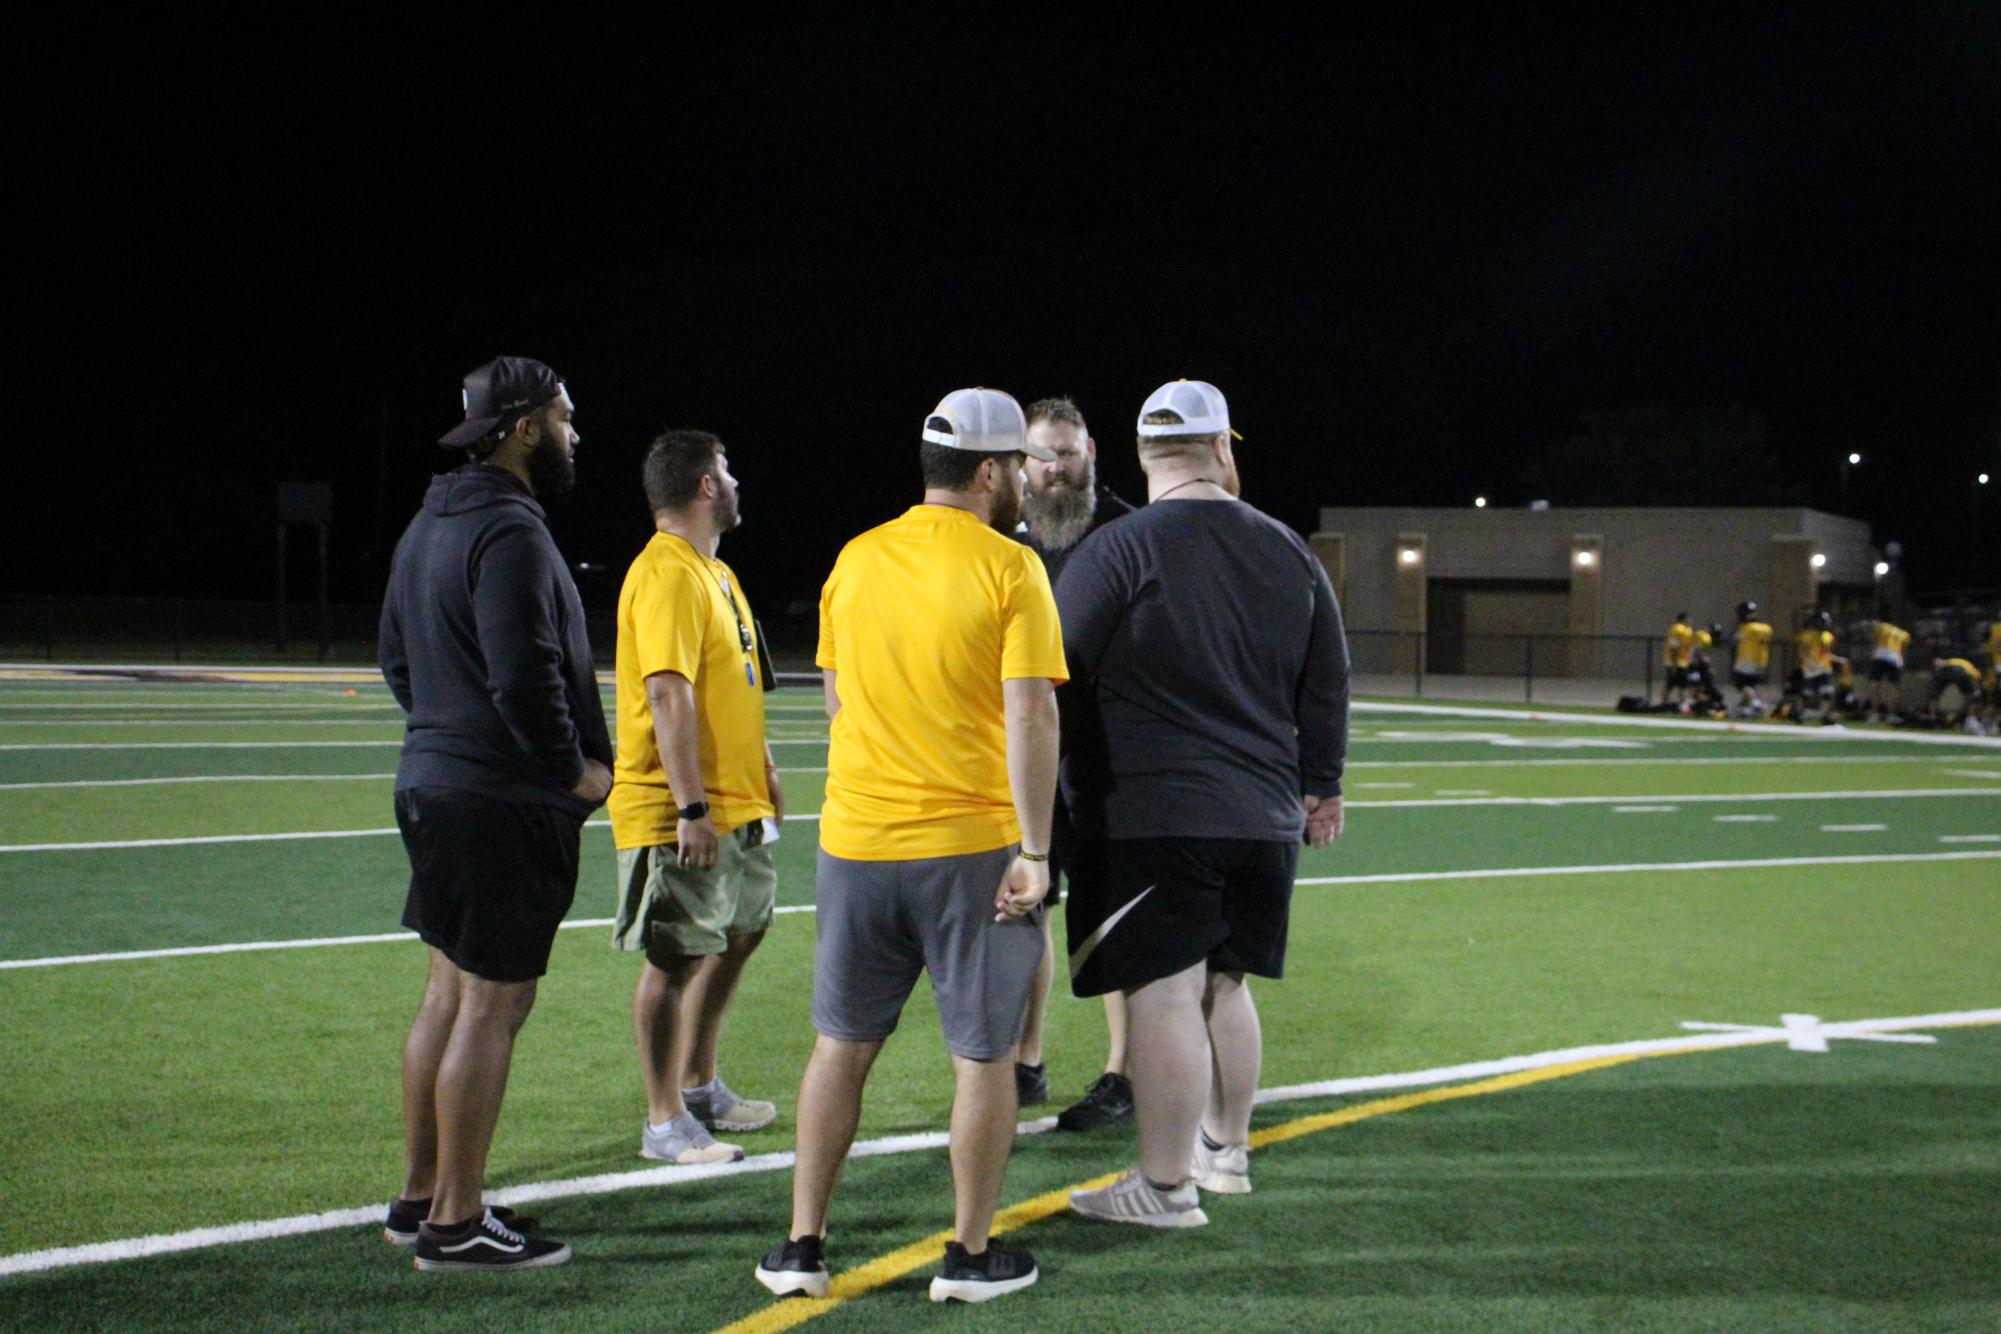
x=489 y=880
x=1677 y=677
x=1746 y=680
x=1062 y=850
x=1141 y=909
x=1882 y=669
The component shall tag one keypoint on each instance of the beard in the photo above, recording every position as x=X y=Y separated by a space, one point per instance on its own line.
x=551 y=472
x=1059 y=517
x=729 y=514
x=1060 y=514
x=1005 y=516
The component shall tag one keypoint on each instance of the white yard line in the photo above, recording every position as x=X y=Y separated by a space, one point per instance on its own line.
x=1620 y=804
x=1686 y=725
x=200 y=778
x=188 y=745
x=370 y=1215
x=1622 y=868
x=1853 y=828
x=1744 y=819
x=1397 y=877
x=1638 y=810
x=1969 y=838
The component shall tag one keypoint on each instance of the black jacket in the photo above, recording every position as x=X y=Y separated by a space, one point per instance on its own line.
x=483 y=644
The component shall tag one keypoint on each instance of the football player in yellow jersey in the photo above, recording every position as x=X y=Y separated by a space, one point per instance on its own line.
x=1886 y=671
x=1992 y=648
x=1955 y=690
x=1754 y=658
x=1812 y=681
x=1676 y=652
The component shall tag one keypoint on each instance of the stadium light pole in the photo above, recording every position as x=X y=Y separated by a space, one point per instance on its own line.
x=1852 y=461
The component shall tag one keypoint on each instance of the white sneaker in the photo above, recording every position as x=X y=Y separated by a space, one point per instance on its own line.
x=1134 y=1199
x=685 y=1142
x=725 y=1109
x=1225 y=1169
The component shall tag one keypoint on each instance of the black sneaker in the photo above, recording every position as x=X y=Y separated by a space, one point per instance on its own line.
x=485 y=1243
x=400 y=1228
x=1031 y=1084
x=1106 y=1103
x=796 y=1268
x=981 y=1278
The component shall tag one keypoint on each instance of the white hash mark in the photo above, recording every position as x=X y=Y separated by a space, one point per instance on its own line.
x=1808 y=1032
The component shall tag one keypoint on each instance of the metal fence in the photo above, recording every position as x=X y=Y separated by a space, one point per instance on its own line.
x=1569 y=669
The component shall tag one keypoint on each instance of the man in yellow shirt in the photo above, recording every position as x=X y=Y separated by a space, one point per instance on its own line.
x=941 y=654
x=1886 y=671
x=1813 y=657
x=1676 y=653
x=1992 y=648
x=1955 y=690
x=695 y=784
x=1754 y=657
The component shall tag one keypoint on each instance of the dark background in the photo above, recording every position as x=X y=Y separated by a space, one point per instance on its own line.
x=1415 y=253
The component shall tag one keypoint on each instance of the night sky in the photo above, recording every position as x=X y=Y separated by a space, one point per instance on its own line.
x=1411 y=252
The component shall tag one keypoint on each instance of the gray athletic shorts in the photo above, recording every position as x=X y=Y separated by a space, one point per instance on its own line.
x=882 y=923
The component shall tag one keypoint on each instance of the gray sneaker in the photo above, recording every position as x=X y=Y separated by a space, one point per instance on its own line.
x=1222 y=1168
x=726 y=1110
x=685 y=1142
x=1134 y=1199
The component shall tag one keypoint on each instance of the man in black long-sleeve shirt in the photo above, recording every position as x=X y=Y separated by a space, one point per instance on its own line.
x=1206 y=719
x=505 y=753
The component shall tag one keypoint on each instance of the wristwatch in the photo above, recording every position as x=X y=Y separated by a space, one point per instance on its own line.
x=695 y=812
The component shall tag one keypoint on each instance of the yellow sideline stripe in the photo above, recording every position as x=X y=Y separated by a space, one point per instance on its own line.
x=792 y=1311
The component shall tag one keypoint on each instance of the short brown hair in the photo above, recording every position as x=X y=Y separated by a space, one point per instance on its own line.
x=950 y=469
x=1168 y=446
x=1061 y=409
x=676 y=465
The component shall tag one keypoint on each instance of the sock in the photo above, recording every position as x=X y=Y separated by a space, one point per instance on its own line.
x=1163 y=1189
x=1209 y=1144
x=1037 y=1068
x=422 y=1206
x=707 y=1090
x=455 y=1229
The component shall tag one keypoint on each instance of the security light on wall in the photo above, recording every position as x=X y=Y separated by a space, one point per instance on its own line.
x=1408 y=555
x=1855 y=458
x=1479 y=502
x=1586 y=559
x=1882 y=568
x=1819 y=560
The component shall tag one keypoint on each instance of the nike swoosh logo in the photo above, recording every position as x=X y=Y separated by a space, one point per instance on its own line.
x=1082 y=954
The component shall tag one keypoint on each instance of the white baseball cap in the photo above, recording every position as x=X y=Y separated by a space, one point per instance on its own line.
x=986 y=420
x=1199 y=404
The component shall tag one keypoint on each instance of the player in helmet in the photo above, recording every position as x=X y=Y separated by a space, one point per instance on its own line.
x=1676 y=651
x=1754 y=658
x=1813 y=670
x=1886 y=671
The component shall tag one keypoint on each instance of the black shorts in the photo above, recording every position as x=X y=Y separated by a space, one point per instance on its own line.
x=1881 y=669
x=489 y=880
x=1746 y=680
x=1142 y=909
x=1677 y=677
x=1062 y=850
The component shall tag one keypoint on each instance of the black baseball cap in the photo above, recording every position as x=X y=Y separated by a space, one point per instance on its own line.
x=502 y=386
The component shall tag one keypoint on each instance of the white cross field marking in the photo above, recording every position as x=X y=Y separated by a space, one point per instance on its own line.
x=1808 y=1032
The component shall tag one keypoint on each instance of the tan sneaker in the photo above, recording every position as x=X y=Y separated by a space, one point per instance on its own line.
x=685 y=1142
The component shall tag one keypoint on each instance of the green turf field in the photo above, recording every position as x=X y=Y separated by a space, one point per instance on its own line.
x=1509 y=886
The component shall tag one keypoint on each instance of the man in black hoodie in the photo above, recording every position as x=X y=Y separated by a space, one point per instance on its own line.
x=505 y=754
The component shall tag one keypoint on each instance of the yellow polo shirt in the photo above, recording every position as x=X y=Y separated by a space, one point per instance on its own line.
x=674 y=615
x=1815 y=649
x=1680 y=645
x=1754 y=645
x=1890 y=639
x=923 y=618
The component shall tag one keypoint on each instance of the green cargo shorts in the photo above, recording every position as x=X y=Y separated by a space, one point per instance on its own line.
x=673 y=911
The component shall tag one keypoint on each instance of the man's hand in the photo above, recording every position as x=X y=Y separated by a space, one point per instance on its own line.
x=695 y=843
x=1323 y=820
x=595 y=784
x=1025 y=885
x=777 y=792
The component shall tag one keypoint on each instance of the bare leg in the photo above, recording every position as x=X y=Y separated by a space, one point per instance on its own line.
x=1236 y=1046
x=830 y=1107
x=422 y=1051
x=707 y=1002
x=1170 y=1071
x=658 y=1003
x=1115 y=1032
x=472 y=1079
x=983 y=1112
x=1030 y=1052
